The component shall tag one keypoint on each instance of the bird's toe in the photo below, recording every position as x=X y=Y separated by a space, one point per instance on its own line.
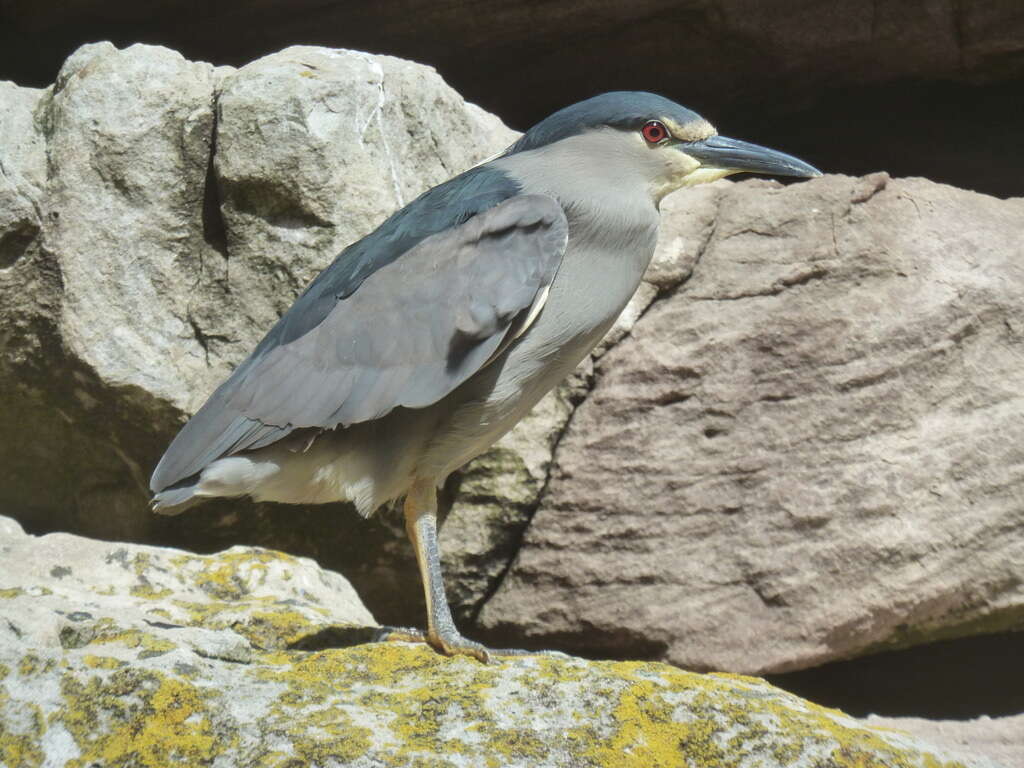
x=399 y=635
x=454 y=644
x=448 y=643
x=499 y=652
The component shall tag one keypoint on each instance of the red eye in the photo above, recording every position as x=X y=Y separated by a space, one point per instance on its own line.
x=654 y=132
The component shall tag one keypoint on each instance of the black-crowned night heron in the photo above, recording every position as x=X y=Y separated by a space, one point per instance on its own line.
x=427 y=340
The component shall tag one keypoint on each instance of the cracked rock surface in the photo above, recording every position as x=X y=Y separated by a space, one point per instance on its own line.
x=810 y=449
x=115 y=654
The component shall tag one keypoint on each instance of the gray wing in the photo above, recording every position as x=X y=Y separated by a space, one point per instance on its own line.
x=411 y=333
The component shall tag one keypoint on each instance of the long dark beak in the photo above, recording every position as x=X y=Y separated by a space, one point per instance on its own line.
x=735 y=155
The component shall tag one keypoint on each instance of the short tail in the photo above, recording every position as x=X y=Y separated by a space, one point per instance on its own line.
x=177 y=498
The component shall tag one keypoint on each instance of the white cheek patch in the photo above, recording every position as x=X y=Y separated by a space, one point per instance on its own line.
x=705 y=176
x=681 y=170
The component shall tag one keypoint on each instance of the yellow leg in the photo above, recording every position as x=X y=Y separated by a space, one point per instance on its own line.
x=421 y=526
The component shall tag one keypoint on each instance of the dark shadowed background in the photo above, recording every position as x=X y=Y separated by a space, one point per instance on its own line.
x=917 y=87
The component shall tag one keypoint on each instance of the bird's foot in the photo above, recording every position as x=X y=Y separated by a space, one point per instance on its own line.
x=399 y=635
x=454 y=644
x=449 y=643
x=526 y=652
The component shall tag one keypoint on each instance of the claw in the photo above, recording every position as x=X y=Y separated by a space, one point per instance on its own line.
x=452 y=643
x=399 y=635
x=449 y=643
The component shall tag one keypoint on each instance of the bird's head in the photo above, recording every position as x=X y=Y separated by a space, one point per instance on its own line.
x=632 y=135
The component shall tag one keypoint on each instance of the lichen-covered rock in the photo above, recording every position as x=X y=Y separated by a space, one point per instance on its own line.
x=126 y=655
x=810 y=450
x=61 y=592
x=398 y=705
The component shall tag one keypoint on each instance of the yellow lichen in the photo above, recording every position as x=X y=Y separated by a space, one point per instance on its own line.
x=149 y=592
x=206 y=614
x=22 y=749
x=229 y=575
x=263 y=621
x=138 y=718
x=858 y=747
x=12 y=592
x=277 y=629
x=102 y=662
x=141 y=563
x=429 y=705
x=149 y=644
x=727 y=718
x=277 y=658
x=397 y=704
x=645 y=732
x=30 y=665
x=658 y=716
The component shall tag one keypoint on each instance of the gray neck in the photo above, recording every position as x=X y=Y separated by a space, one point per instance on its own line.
x=613 y=225
x=611 y=194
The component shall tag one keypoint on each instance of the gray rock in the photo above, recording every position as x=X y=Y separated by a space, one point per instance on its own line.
x=809 y=450
x=1000 y=738
x=128 y=140
x=22 y=174
x=116 y=654
x=62 y=591
x=96 y=298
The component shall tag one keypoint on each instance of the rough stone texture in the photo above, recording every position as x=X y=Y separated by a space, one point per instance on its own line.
x=118 y=157
x=812 y=449
x=155 y=668
x=22 y=173
x=315 y=148
x=999 y=738
x=66 y=591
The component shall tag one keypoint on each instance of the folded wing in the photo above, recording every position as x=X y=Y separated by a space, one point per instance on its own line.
x=413 y=331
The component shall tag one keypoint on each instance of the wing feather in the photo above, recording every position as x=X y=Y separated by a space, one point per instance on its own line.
x=413 y=331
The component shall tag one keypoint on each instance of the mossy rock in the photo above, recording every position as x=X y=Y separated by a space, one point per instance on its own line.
x=403 y=705
x=129 y=656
